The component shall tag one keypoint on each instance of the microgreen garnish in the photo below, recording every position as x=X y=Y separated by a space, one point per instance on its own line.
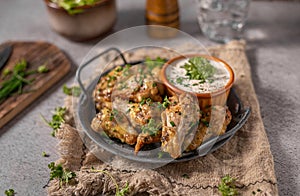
x=119 y=68
x=179 y=80
x=199 y=68
x=160 y=155
x=126 y=70
x=152 y=127
x=172 y=124
x=63 y=175
x=143 y=101
x=227 y=186
x=166 y=102
x=151 y=64
x=72 y=91
x=206 y=123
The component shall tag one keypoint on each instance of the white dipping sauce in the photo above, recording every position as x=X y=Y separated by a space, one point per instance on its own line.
x=176 y=75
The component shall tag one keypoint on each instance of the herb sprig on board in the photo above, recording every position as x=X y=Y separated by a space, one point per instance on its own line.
x=14 y=80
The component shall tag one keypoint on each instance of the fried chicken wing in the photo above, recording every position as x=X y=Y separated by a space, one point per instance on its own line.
x=180 y=121
x=146 y=138
x=105 y=121
x=103 y=91
x=210 y=127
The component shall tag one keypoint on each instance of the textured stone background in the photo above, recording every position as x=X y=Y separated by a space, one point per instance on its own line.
x=273 y=35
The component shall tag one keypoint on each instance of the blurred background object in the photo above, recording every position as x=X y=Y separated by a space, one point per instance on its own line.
x=83 y=22
x=222 y=20
x=162 y=12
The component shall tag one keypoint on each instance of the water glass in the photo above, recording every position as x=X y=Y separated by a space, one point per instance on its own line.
x=222 y=20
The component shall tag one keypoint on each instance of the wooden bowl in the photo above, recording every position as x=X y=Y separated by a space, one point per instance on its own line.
x=217 y=97
x=94 y=21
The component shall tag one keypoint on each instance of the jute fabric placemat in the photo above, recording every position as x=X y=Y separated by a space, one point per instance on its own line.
x=246 y=157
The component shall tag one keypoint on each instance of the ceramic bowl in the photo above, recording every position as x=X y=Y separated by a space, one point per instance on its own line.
x=95 y=20
x=218 y=97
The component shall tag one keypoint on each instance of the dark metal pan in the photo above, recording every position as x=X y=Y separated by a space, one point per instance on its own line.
x=86 y=112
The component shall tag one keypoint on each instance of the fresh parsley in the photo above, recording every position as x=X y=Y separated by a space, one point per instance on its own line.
x=152 y=127
x=227 y=186
x=63 y=175
x=151 y=64
x=15 y=79
x=172 y=123
x=10 y=192
x=199 y=68
x=72 y=91
x=57 y=119
x=166 y=102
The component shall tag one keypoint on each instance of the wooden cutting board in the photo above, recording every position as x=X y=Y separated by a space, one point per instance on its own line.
x=36 y=54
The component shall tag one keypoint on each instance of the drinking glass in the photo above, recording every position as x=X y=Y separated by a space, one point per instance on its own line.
x=222 y=20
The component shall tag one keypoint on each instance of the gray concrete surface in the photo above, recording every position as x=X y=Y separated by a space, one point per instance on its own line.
x=273 y=35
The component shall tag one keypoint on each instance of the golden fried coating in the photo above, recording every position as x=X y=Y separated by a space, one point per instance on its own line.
x=210 y=127
x=179 y=123
x=146 y=138
x=105 y=121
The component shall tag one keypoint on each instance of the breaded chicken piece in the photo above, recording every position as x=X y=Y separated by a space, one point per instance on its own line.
x=105 y=121
x=180 y=121
x=207 y=129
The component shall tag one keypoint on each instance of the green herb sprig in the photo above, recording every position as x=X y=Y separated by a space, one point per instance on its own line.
x=72 y=91
x=57 y=119
x=119 y=192
x=10 y=192
x=166 y=102
x=152 y=63
x=227 y=186
x=199 y=68
x=15 y=80
x=63 y=175
x=152 y=127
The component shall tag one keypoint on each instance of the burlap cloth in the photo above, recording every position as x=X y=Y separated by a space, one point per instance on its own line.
x=246 y=156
